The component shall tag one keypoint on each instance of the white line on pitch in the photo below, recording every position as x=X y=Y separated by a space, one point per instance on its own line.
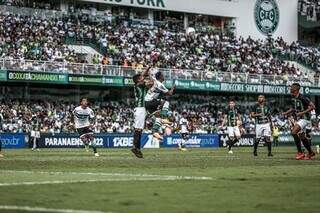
x=42 y=209
x=168 y=178
x=171 y=177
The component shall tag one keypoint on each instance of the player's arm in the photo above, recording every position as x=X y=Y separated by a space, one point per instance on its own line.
x=171 y=91
x=254 y=115
x=288 y=112
x=311 y=107
x=239 y=123
x=224 y=120
x=91 y=116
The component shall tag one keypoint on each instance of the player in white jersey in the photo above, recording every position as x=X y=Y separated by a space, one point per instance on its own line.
x=153 y=102
x=184 y=131
x=82 y=120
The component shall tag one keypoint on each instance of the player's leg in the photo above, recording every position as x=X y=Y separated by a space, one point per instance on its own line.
x=295 y=131
x=34 y=143
x=307 y=144
x=267 y=137
x=182 y=145
x=37 y=144
x=257 y=139
x=233 y=140
x=269 y=145
x=165 y=109
x=85 y=142
x=139 y=122
x=90 y=139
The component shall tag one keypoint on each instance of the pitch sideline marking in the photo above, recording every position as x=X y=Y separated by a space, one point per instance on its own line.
x=173 y=177
x=42 y=209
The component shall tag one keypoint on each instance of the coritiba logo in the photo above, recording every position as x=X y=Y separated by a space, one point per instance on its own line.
x=266 y=14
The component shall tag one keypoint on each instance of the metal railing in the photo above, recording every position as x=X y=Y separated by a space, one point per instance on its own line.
x=172 y=74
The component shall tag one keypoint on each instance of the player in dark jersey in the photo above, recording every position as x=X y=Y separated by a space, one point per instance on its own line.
x=232 y=118
x=263 y=122
x=300 y=109
x=140 y=90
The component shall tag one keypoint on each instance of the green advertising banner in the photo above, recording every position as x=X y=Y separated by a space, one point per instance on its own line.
x=197 y=85
x=95 y=80
x=99 y=80
x=255 y=88
x=3 y=75
x=37 y=77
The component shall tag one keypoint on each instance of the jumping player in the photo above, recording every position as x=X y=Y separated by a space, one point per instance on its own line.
x=263 y=122
x=300 y=109
x=83 y=116
x=232 y=117
x=140 y=90
x=152 y=100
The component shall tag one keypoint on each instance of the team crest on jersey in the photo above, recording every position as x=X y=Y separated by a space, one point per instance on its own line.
x=267 y=16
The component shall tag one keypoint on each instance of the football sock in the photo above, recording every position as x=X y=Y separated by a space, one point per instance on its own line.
x=269 y=146
x=94 y=146
x=307 y=144
x=255 y=145
x=136 y=139
x=298 y=142
x=232 y=142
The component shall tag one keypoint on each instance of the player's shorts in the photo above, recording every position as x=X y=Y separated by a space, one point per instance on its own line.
x=304 y=124
x=153 y=105
x=84 y=131
x=263 y=130
x=233 y=131
x=139 y=117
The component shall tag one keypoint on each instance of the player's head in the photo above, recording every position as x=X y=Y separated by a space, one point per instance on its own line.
x=159 y=76
x=232 y=104
x=84 y=102
x=295 y=89
x=184 y=114
x=261 y=99
x=137 y=78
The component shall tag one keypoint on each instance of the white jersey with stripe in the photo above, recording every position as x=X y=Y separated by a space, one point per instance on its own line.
x=183 y=125
x=154 y=92
x=82 y=116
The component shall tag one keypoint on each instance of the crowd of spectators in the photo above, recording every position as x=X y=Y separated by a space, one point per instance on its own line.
x=117 y=117
x=310 y=9
x=27 y=37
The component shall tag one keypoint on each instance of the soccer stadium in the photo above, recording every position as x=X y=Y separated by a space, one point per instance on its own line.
x=182 y=106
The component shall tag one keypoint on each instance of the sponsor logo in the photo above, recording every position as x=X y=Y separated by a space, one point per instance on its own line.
x=267 y=16
x=149 y=3
x=122 y=141
x=68 y=141
x=13 y=141
x=246 y=140
x=16 y=140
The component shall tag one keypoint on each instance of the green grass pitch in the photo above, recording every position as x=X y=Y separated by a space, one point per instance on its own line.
x=199 y=180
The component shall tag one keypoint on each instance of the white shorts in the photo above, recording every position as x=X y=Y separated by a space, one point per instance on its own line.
x=140 y=114
x=233 y=131
x=263 y=130
x=303 y=124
